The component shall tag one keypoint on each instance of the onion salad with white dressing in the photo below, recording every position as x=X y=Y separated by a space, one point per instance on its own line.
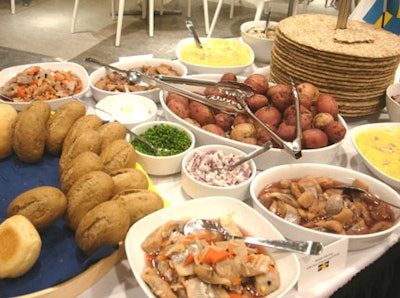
x=210 y=167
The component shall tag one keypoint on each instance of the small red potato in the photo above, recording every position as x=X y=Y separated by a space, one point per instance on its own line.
x=321 y=120
x=192 y=121
x=179 y=108
x=215 y=129
x=305 y=100
x=242 y=118
x=201 y=113
x=327 y=104
x=224 y=121
x=257 y=101
x=281 y=96
x=335 y=131
x=305 y=121
x=314 y=138
x=229 y=76
x=308 y=89
x=242 y=131
x=177 y=97
x=291 y=111
x=258 y=82
x=286 y=132
x=269 y=115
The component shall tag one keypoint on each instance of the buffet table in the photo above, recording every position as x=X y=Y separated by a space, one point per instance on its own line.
x=120 y=282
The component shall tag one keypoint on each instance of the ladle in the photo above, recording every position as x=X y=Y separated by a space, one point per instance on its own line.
x=155 y=150
x=349 y=188
x=304 y=247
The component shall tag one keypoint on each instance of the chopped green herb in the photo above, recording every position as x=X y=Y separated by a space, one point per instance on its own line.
x=163 y=136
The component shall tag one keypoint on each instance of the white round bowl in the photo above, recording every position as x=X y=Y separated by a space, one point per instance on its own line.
x=162 y=165
x=8 y=73
x=347 y=176
x=207 y=66
x=211 y=208
x=392 y=106
x=153 y=94
x=198 y=189
x=273 y=157
x=260 y=46
x=383 y=129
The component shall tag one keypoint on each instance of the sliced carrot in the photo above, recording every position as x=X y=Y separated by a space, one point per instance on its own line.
x=32 y=70
x=213 y=256
x=189 y=259
x=234 y=295
x=21 y=91
x=236 y=281
x=231 y=252
x=250 y=257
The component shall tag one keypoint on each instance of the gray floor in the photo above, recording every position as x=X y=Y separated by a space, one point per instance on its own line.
x=41 y=31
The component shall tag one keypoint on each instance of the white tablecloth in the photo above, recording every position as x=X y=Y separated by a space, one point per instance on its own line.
x=119 y=281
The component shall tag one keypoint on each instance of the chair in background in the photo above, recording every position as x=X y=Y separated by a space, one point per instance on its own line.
x=12 y=3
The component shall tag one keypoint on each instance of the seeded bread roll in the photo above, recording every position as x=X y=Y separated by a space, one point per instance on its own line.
x=42 y=205
x=87 y=192
x=30 y=132
x=139 y=202
x=20 y=246
x=129 y=178
x=110 y=132
x=8 y=117
x=106 y=224
x=59 y=124
x=118 y=154
x=84 y=163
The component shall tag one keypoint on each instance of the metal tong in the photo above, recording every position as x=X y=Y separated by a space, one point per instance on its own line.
x=240 y=91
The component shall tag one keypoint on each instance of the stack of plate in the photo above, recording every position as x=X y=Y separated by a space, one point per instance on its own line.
x=355 y=64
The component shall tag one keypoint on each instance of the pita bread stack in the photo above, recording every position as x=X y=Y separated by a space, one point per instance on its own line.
x=355 y=64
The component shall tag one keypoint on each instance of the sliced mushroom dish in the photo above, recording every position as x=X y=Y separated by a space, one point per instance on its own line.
x=316 y=203
x=206 y=265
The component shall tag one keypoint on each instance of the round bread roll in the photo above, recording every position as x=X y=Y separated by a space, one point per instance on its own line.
x=139 y=202
x=106 y=224
x=80 y=125
x=118 y=154
x=129 y=178
x=110 y=132
x=20 y=246
x=84 y=163
x=42 y=205
x=59 y=124
x=88 y=140
x=30 y=132
x=8 y=117
x=87 y=192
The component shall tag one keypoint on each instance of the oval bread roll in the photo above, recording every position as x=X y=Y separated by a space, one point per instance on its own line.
x=20 y=246
x=106 y=224
x=118 y=154
x=129 y=178
x=30 y=132
x=110 y=132
x=139 y=202
x=87 y=192
x=8 y=117
x=84 y=163
x=41 y=205
x=59 y=124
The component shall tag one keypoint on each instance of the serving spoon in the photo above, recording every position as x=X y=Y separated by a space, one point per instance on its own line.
x=303 y=247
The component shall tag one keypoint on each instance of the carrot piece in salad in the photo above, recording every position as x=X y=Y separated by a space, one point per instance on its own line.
x=32 y=70
x=213 y=256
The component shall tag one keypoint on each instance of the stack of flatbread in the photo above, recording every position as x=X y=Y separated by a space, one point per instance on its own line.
x=355 y=64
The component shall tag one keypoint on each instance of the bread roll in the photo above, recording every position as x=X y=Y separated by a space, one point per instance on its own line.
x=139 y=202
x=81 y=124
x=87 y=192
x=88 y=140
x=129 y=178
x=20 y=246
x=84 y=163
x=41 y=205
x=59 y=124
x=8 y=117
x=106 y=224
x=118 y=154
x=110 y=132
x=30 y=132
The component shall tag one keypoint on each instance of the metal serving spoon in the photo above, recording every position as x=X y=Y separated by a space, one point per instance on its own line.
x=349 y=188
x=155 y=150
x=192 y=31
x=304 y=247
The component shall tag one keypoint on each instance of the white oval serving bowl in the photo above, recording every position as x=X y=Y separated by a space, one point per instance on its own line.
x=153 y=94
x=162 y=165
x=204 y=68
x=8 y=73
x=198 y=189
x=211 y=208
x=345 y=175
x=392 y=181
x=127 y=108
x=392 y=106
x=274 y=156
